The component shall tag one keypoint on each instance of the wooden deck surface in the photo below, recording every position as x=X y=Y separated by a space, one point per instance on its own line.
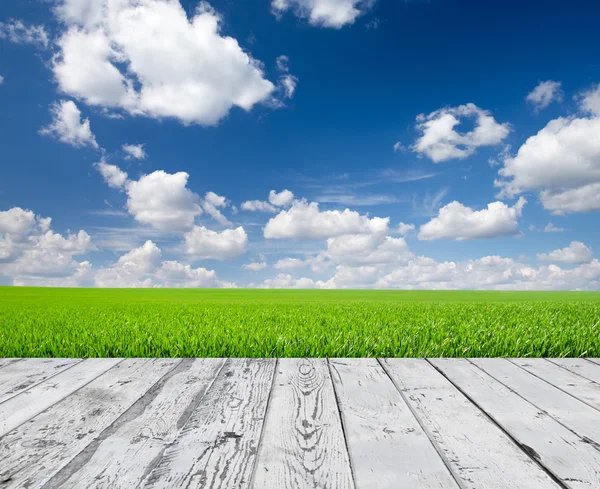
x=300 y=423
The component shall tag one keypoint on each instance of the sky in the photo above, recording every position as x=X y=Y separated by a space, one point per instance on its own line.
x=300 y=143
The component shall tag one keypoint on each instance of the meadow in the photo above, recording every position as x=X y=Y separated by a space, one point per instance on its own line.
x=47 y=322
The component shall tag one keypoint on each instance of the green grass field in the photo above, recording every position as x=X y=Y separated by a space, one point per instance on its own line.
x=43 y=322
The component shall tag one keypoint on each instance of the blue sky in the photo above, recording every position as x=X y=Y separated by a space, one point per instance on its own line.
x=474 y=126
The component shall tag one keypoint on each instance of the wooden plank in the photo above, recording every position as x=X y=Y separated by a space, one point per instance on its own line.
x=7 y=361
x=123 y=455
x=594 y=360
x=570 y=412
x=388 y=448
x=303 y=441
x=19 y=376
x=579 y=366
x=478 y=452
x=29 y=403
x=37 y=450
x=562 y=452
x=217 y=446
x=583 y=389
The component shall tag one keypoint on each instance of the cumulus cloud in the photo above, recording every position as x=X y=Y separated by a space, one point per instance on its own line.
x=323 y=13
x=280 y=199
x=290 y=264
x=255 y=266
x=134 y=151
x=405 y=229
x=112 y=174
x=18 y=32
x=551 y=228
x=561 y=162
x=133 y=55
x=306 y=221
x=286 y=281
x=202 y=243
x=210 y=205
x=257 y=205
x=456 y=221
x=589 y=100
x=544 y=94
x=440 y=141
x=576 y=253
x=67 y=126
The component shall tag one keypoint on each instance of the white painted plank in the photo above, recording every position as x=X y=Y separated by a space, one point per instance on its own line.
x=594 y=360
x=303 y=442
x=122 y=458
x=562 y=452
x=217 y=446
x=38 y=449
x=388 y=448
x=19 y=376
x=583 y=389
x=479 y=453
x=579 y=366
x=7 y=361
x=29 y=403
x=572 y=413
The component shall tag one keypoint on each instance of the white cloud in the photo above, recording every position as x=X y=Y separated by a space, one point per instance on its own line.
x=257 y=205
x=398 y=146
x=163 y=201
x=255 y=266
x=112 y=174
x=589 y=101
x=551 y=228
x=286 y=281
x=440 y=141
x=134 y=151
x=456 y=221
x=134 y=56
x=576 y=253
x=16 y=31
x=405 y=229
x=283 y=198
x=323 y=13
x=290 y=264
x=544 y=94
x=67 y=126
x=561 y=162
x=202 y=243
x=210 y=204
x=1 y=79
x=306 y=221
x=287 y=82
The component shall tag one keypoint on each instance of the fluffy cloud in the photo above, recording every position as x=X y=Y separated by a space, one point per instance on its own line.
x=134 y=151
x=16 y=31
x=440 y=141
x=323 y=13
x=280 y=199
x=163 y=201
x=575 y=253
x=202 y=243
x=112 y=174
x=551 y=228
x=290 y=264
x=258 y=205
x=561 y=162
x=67 y=126
x=210 y=204
x=133 y=55
x=255 y=266
x=544 y=94
x=589 y=100
x=286 y=281
x=306 y=221
x=405 y=229
x=456 y=221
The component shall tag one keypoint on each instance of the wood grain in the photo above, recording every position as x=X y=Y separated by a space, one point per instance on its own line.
x=19 y=376
x=476 y=449
x=580 y=366
x=38 y=449
x=388 y=448
x=562 y=452
x=217 y=445
x=303 y=442
x=7 y=361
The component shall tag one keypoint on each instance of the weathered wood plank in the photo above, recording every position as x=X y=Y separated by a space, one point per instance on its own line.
x=388 y=448
x=19 y=376
x=7 y=361
x=38 y=449
x=572 y=413
x=594 y=360
x=479 y=453
x=217 y=446
x=126 y=452
x=579 y=366
x=583 y=389
x=303 y=441
x=562 y=452
x=29 y=403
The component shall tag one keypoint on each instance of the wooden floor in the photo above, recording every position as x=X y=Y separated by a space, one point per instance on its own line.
x=300 y=423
